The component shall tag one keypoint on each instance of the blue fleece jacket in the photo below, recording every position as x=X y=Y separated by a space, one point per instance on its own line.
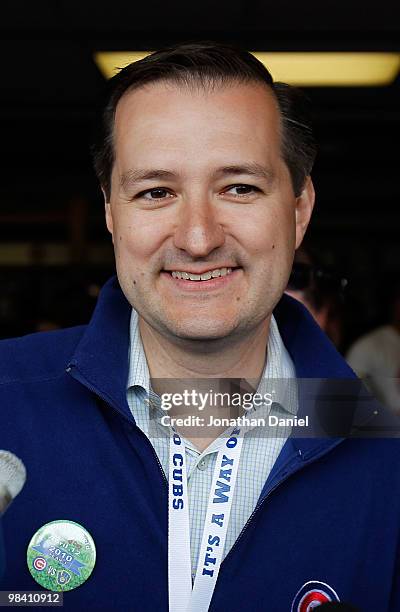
x=329 y=512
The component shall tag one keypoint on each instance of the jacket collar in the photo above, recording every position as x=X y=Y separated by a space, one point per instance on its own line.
x=315 y=357
x=312 y=352
x=100 y=360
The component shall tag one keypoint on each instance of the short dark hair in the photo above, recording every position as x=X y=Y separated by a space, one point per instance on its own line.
x=208 y=64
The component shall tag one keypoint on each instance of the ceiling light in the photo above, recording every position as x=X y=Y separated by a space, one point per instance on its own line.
x=307 y=69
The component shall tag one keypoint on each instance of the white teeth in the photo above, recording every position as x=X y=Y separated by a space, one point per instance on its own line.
x=201 y=277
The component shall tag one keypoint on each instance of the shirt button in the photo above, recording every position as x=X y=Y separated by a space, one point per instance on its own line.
x=203 y=464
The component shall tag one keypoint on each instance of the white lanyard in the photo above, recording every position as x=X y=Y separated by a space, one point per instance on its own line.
x=181 y=596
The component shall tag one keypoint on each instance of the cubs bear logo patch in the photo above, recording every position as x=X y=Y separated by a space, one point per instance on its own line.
x=313 y=594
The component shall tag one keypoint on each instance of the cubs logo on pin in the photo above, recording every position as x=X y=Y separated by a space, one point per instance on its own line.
x=61 y=555
x=39 y=564
x=312 y=595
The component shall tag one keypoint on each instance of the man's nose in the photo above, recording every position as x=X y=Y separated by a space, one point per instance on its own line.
x=199 y=230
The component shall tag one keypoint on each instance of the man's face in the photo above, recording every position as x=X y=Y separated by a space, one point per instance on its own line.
x=199 y=188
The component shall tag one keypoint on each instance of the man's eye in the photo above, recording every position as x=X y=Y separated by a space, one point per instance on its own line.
x=241 y=190
x=158 y=193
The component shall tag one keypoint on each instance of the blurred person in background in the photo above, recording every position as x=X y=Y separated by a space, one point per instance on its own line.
x=375 y=356
x=320 y=289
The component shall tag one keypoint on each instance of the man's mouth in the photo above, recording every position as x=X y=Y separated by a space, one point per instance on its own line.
x=204 y=276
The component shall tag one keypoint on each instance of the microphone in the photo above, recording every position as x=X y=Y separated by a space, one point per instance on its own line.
x=12 y=479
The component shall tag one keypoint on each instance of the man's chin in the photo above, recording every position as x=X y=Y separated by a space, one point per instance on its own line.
x=200 y=331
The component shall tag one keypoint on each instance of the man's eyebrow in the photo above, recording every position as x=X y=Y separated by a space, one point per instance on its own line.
x=252 y=169
x=135 y=176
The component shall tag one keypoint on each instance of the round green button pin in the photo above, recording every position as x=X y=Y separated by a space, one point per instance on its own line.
x=61 y=555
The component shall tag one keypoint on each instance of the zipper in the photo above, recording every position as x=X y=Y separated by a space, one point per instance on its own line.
x=74 y=372
x=256 y=509
x=259 y=505
x=155 y=455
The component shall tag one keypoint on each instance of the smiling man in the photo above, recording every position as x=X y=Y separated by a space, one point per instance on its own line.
x=205 y=166
x=199 y=169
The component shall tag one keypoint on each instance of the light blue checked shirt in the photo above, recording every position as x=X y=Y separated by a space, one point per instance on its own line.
x=259 y=451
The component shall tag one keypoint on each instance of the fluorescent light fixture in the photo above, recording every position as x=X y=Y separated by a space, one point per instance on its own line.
x=332 y=69
x=307 y=69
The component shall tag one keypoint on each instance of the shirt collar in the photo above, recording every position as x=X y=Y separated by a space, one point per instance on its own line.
x=279 y=375
x=138 y=374
x=279 y=371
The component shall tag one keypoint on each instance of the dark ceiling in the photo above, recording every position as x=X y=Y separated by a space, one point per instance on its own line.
x=50 y=87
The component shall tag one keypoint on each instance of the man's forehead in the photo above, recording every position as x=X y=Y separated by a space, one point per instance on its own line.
x=239 y=93
x=163 y=128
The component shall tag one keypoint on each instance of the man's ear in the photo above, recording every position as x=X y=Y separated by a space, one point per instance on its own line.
x=304 y=208
x=108 y=214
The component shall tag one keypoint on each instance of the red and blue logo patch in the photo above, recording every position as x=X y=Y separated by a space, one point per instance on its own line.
x=313 y=594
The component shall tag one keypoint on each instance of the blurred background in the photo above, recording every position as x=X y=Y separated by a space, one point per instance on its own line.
x=54 y=250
